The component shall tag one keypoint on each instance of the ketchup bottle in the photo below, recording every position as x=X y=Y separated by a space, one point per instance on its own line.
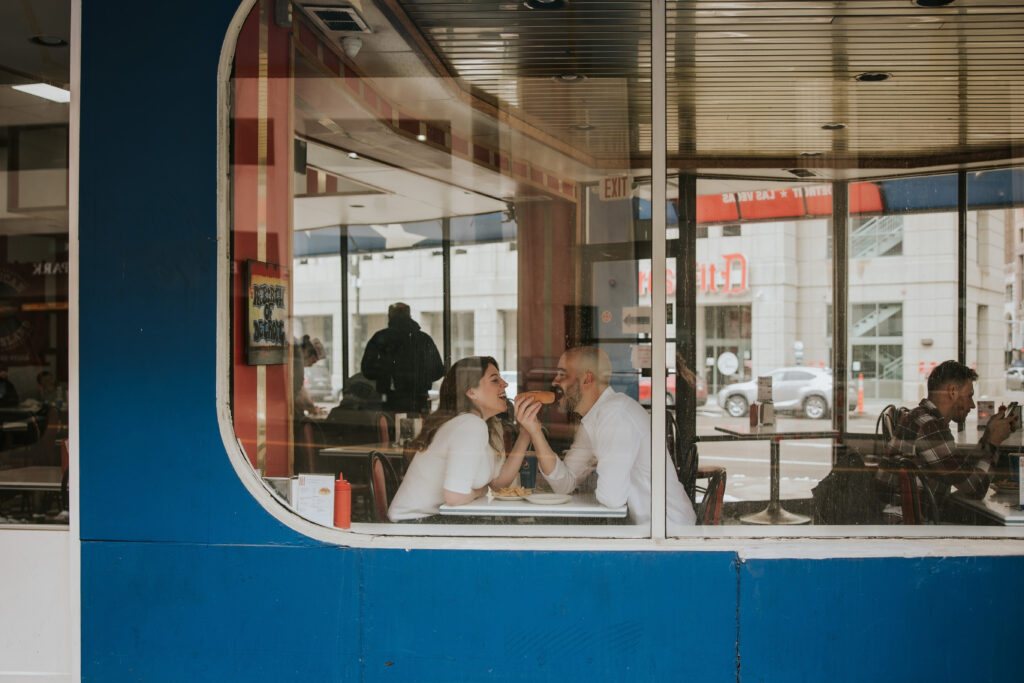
x=342 y=503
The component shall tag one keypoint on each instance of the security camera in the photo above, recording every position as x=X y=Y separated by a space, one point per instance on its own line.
x=351 y=45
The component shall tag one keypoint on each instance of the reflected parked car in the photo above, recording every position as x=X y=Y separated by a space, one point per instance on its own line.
x=670 y=390
x=1015 y=378
x=802 y=389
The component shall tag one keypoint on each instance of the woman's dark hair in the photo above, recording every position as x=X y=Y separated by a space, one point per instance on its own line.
x=453 y=401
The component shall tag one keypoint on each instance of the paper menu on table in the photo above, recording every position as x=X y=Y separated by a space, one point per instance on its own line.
x=764 y=388
x=313 y=497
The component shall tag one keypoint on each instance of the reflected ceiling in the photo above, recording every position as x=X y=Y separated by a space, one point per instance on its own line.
x=750 y=84
x=24 y=61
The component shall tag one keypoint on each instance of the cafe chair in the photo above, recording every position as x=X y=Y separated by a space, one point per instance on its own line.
x=383 y=485
x=913 y=488
x=709 y=510
x=383 y=429
x=684 y=457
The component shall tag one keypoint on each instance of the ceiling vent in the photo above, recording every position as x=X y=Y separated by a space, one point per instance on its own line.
x=336 y=18
x=801 y=172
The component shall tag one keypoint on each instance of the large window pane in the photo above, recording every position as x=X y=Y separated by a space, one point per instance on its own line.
x=34 y=252
x=496 y=239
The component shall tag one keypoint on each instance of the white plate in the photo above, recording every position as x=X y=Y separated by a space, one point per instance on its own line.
x=548 y=498
x=508 y=497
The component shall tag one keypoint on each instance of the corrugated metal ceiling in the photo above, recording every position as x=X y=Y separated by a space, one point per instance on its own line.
x=750 y=83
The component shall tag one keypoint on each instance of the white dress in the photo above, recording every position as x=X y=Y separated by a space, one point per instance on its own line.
x=460 y=459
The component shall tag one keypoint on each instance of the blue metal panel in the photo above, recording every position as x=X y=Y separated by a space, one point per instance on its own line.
x=153 y=464
x=549 y=616
x=893 y=619
x=183 y=612
x=189 y=581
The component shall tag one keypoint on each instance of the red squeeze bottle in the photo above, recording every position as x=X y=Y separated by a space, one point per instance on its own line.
x=342 y=503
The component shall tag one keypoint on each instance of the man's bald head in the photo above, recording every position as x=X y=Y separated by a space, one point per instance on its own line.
x=593 y=360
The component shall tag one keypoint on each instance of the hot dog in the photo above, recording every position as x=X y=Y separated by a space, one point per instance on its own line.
x=540 y=396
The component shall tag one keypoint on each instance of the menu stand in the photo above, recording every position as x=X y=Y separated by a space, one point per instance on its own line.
x=774 y=513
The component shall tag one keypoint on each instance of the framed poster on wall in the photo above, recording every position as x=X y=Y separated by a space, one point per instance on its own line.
x=268 y=299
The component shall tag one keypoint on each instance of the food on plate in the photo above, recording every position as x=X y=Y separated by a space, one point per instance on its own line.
x=540 y=396
x=513 y=491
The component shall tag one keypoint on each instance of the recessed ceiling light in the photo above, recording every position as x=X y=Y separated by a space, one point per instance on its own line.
x=933 y=3
x=570 y=78
x=833 y=126
x=872 y=77
x=49 y=41
x=421 y=137
x=353 y=155
x=46 y=91
x=581 y=126
x=545 y=4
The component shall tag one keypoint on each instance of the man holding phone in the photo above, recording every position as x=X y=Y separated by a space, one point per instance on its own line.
x=923 y=435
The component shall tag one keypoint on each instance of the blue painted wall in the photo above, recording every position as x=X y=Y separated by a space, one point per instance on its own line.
x=185 y=577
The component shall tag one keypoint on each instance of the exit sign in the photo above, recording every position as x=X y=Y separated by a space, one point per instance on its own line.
x=615 y=188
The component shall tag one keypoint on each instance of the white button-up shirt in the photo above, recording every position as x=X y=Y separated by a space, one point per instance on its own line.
x=614 y=440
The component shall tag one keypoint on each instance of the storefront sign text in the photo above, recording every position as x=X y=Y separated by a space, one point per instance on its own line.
x=726 y=277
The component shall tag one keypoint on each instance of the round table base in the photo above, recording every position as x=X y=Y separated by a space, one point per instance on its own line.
x=775 y=515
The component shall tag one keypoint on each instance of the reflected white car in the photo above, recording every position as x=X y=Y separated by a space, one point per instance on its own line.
x=1015 y=378
x=801 y=389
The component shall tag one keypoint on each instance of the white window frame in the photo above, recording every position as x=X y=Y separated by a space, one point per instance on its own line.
x=812 y=542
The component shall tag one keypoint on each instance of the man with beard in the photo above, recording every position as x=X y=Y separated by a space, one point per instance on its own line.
x=613 y=441
x=923 y=436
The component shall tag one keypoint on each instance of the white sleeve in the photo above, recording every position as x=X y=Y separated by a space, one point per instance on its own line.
x=616 y=448
x=467 y=451
x=578 y=463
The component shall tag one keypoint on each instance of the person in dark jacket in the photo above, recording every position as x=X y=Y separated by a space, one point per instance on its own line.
x=404 y=362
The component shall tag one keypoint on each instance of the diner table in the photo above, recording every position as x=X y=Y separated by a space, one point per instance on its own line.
x=1000 y=505
x=579 y=505
x=353 y=459
x=774 y=513
x=33 y=478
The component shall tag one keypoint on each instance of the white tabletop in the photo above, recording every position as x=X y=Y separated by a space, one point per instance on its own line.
x=970 y=437
x=35 y=478
x=769 y=432
x=581 y=505
x=1001 y=505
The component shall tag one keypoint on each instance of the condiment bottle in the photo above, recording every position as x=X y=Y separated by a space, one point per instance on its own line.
x=754 y=409
x=342 y=503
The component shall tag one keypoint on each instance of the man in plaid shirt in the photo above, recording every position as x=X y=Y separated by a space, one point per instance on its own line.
x=923 y=435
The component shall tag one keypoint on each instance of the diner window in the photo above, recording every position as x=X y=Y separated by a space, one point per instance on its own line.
x=384 y=238
x=34 y=268
x=390 y=222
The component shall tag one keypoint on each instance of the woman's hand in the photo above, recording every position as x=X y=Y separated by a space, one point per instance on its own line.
x=528 y=414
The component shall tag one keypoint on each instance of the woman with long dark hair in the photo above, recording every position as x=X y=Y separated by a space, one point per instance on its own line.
x=460 y=452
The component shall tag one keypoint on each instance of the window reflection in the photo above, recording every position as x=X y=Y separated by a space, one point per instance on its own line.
x=34 y=253
x=378 y=185
x=499 y=244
